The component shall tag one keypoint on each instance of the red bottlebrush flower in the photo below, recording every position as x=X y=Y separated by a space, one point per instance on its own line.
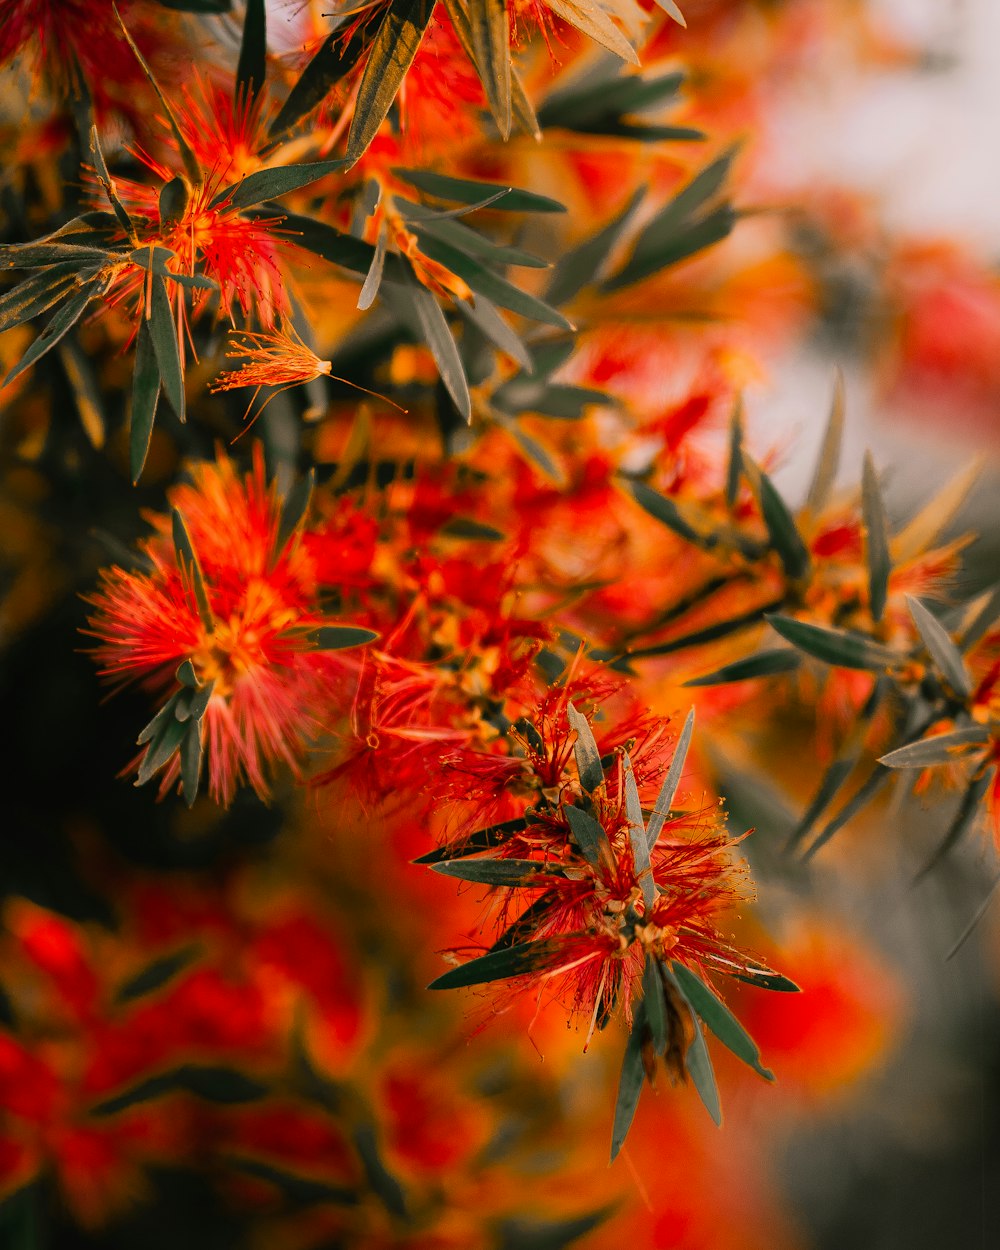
x=69 y=35
x=242 y=615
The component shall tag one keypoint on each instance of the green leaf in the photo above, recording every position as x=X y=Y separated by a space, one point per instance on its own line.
x=469 y=191
x=104 y=178
x=595 y=23
x=331 y=64
x=191 y=750
x=763 y=664
x=187 y=676
x=293 y=510
x=173 y=200
x=163 y=333
x=588 y=757
x=522 y=1233
x=470 y=241
x=490 y=30
x=838 y=647
x=190 y=161
x=373 y=279
x=860 y=799
x=785 y=537
x=876 y=539
x=582 y=265
x=200 y=700
x=637 y=837
x=512 y=961
x=145 y=396
x=519 y=873
x=665 y=511
x=668 y=6
x=630 y=1082
x=339 y=637
x=590 y=836
x=968 y=809
x=487 y=839
x=380 y=1180
x=765 y=979
x=938 y=749
x=720 y=1019
x=711 y=633
x=154 y=726
x=671 y=781
x=392 y=52
x=940 y=647
x=655 y=1003
x=985 y=616
x=825 y=473
x=198 y=6
x=166 y=741
x=266 y=184
x=487 y=283
x=698 y=1061
x=61 y=323
x=214 y=1084
x=154 y=259
x=37 y=293
x=483 y=314
x=251 y=70
x=157 y=974
x=190 y=569
x=418 y=308
x=734 y=464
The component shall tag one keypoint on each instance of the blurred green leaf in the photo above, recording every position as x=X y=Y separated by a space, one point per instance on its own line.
x=630 y=1082
x=390 y=56
x=838 y=647
x=720 y=1019
x=940 y=647
x=671 y=781
x=825 y=473
x=763 y=664
x=251 y=70
x=582 y=265
x=876 y=539
x=158 y=973
x=330 y=65
x=339 y=637
x=469 y=191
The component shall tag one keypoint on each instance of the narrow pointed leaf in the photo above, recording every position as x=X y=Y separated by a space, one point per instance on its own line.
x=61 y=323
x=294 y=509
x=925 y=528
x=968 y=810
x=418 y=308
x=765 y=979
x=373 y=279
x=156 y=974
x=828 y=463
x=518 y=873
x=145 y=395
x=665 y=511
x=490 y=29
x=200 y=701
x=859 y=800
x=595 y=23
x=588 y=757
x=982 y=620
x=188 y=157
x=191 y=748
x=876 y=539
x=173 y=200
x=698 y=1061
x=458 y=234
x=942 y=650
x=469 y=191
x=763 y=664
x=938 y=749
x=720 y=1019
x=484 y=315
x=339 y=637
x=590 y=836
x=187 y=562
x=668 y=6
x=734 y=465
x=390 y=56
x=785 y=537
x=481 y=840
x=37 y=293
x=513 y=961
x=583 y=264
x=671 y=781
x=167 y=740
x=331 y=64
x=630 y=1082
x=688 y=240
x=267 y=184
x=155 y=725
x=187 y=676
x=637 y=836
x=163 y=333
x=105 y=179
x=655 y=1003
x=834 y=646
x=252 y=67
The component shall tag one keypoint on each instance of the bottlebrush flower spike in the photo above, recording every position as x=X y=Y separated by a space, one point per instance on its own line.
x=227 y=619
x=625 y=898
